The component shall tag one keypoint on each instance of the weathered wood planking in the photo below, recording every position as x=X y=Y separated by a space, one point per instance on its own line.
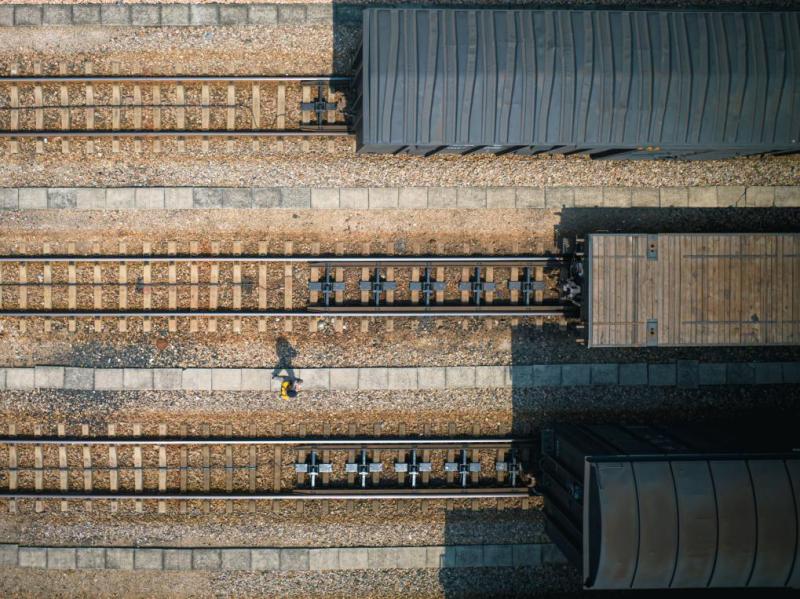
x=702 y=289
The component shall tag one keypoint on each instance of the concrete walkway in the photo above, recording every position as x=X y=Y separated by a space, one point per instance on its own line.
x=381 y=198
x=280 y=559
x=685 y=374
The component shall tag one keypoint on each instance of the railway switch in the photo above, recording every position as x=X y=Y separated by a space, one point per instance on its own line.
x=463 y=467
x=327 y=287
x=319 y=106
x=377 y=286
x=313 y=468
x=477 y=286
x=413 y=468
x=427 y=286
x=526 y=286
x=363 y=468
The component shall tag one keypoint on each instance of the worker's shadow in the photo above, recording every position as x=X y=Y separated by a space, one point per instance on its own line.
x=285 y=353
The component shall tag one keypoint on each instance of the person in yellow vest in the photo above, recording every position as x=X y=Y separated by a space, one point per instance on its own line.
x=289 y=387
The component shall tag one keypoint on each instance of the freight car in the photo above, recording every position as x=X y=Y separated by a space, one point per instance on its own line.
x=686 y=507
x=607 y=83
x=640 y=290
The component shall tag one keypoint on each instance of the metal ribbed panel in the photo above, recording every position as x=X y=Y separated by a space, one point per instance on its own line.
x=588 y=80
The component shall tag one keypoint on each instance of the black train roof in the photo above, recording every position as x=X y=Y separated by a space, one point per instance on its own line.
x=698 y=80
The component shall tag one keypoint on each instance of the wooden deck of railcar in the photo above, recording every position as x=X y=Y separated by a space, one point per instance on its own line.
x=693 y=289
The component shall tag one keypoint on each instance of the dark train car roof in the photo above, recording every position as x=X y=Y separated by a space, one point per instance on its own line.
x=704 y=506
x=695 y=84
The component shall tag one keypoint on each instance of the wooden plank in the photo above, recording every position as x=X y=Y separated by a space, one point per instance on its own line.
x=262 y=286
x=87 y=468
x=97 y=288
x=172 y=268
x=280 y=120
x=736 y=291
x=277 y=462
x=305 y=115
x=288 y=281
x=22 y=296
x=162 y=469
x=63 y=466
x=63 y=99
x=180 y=113
x=205 y=112
x=194 y=285
x=90 y=111
x=122 y=278
x=205 y=431
x=228 y=469
x=38 y=464
x=313 y=296
x=237 y=286
x=47 y=289
x=116 y=100
x=13 y=101
x=137 y=113
x=147 y=292
x=253 y=472
x=156 y=117
x=184 y=470
x=230 y=121
x=38 y=113
x=113 y=468
x=13 y=463
x=138 y=478
x=338 y=296
x=256 y=112
x=213 y=289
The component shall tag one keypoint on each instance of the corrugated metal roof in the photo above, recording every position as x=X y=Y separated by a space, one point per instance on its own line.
x=692 y=523
x=581 y=78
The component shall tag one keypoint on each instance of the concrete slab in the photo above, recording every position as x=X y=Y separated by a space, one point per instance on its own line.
x=729 y=196
x=197 y=379
x=323 y=559
x=235 y=559
x=206 y=559
x=294 y=559
x=174 y=14
x=588 y=197
x=501 y=198
x=256 y=379
x=760 y=197
x=353 y=198
x=226 y=379
x=34 y=198
x=91 y=558
x=107 y=379
x=431 y=377
x=61 y=558
x=469 y=556
x=147 y=558
x=522 y=376
x=344 y=378
x=703 y=197
x=674 y=197
x=740 y=373
x=178 y=559
x=645 y=197
x=436 y=557
x=632 y=374
x=711 y=374
x=688 y=374
x=7 y=16
x=491 y=377
x=20 y=378
x=137 y=378
x=576 y=375
x=291 y=14
x=78 y=378
x=145 y=15
x=373 y=378
x=459 y=377
x=166 y=379
x=120 y=198
x=232 y=14
x=178 y=198
x=149 y=198
x=471 y=197
x=605 y=374
x=49 y=377
x=768 y=373
x=8 y=554
x=442 y=197
x=617 y=197
x=27 y=15
x=530 y=197
x=319 y=13
x=353 y=558
x=315 y=378
x=661 y=374
x=552 y=554
x=547 y=375
x=497 y=556
x=111 y=14
x=119 y=558
x=86 y=14
x=785 y=196
x=234 y=197
x=295 y=197
x=262 y=560
x=262 y=14
x=411 y=558
x=32 y=557
x=559 y=197
x=526 y=555
x=2 y=378
x=791 y=372
x=382 y=558
x=402 y=378
x=326 y=198
x=381 y=198
x=90 y=198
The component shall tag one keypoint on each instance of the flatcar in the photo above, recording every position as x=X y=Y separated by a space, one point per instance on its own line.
x=623 y=84
x=642 y=290
x=642 y=507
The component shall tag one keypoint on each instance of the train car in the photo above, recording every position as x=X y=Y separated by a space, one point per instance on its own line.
x=625 y=84
x=642 y=290
x=687 y=507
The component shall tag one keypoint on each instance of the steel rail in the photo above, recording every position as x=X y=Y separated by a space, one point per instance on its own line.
x=312 y=260
x=293 y=441
x=173 y=78
x=303 y=495
x=327 y=132
x=389 y=311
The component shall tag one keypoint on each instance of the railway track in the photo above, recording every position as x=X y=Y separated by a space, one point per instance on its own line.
x=167 y=468
x=261 y=286
x=139 y=106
